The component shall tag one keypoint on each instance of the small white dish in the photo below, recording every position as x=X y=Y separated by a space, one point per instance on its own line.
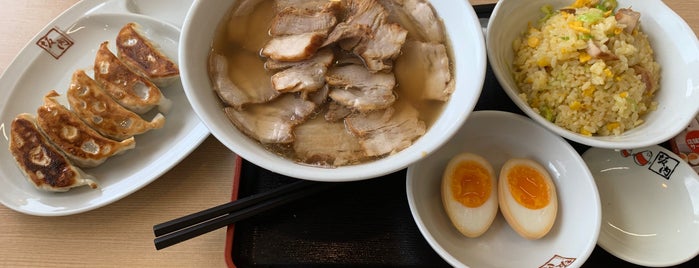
x=650 y=205
x=47 y=62
x=499 y=136
x=676 y=50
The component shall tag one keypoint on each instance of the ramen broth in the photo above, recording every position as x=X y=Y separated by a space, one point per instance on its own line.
x=241 y=38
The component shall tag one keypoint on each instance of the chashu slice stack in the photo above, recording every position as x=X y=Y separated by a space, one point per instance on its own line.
x=42 y=164
x=84 y=146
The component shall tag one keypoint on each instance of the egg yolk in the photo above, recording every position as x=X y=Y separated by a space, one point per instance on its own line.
x=528 y=187
x=470 y=184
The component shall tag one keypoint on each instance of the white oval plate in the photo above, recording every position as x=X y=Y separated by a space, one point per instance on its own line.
x=499 y=136
x=47 y=62
x=650 y=205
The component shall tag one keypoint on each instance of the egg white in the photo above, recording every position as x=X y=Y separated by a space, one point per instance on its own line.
x=528 y=223
x=471 y=222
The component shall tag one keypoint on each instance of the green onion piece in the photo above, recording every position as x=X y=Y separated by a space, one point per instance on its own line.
x=591 y=16
x=548 y=12
x=546 y=112
x=606 y=5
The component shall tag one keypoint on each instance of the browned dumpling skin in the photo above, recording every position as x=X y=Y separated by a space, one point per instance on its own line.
x=129 y=89
x=143 y=57
x=101 y=112
x=84 y=146
x=43 y=165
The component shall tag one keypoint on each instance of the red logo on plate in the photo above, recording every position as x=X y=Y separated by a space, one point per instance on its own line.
x=55 y=42
x=558 y=261
x=692 y=140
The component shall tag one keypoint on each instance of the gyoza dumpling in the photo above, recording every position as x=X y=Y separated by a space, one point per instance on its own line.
x=42 y=164
x=129 y=89
x=89 y=101
x=144 y=57
x=84 y=146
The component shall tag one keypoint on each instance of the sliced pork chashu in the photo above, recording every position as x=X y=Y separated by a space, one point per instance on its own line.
x=254 y=89
x=379 y=51
x=310 y=5
x=365 y=12
x=84 y=146
x=295 y=47
x=336 y=112
x=355 y=87
x=387 y=131
x=129 y=89
x=144 y=57
x=96 y=108
x=418 y=17
x=305 y=76
x=363 y=18
x=437 y=82
x=323 y=57
x=272 y=122
x=320 y=142
x=367 y=33
x=318 y=97
x=293 y=20
x=43 y=165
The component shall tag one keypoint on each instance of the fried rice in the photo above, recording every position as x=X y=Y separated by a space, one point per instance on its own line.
x=587 y=69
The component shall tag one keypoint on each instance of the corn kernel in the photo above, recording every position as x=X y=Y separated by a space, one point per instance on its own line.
x=624 y=94
x=585 y=132
x=589 y=91
x=575 y=105
x=618 y=30
x=584 y=57
x=608 y=72
x=533 y=41
x=543 y=62
x=613 y=125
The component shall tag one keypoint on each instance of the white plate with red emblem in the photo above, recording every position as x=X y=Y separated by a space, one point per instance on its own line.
x=650 y=205
x=47 y=62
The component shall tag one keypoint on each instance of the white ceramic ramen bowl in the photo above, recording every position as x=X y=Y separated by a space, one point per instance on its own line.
x=650 y=205
x=676 y=50
x=572 y=238
x=469 y=59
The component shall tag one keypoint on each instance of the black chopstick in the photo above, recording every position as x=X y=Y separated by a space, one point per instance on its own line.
x=187 y=227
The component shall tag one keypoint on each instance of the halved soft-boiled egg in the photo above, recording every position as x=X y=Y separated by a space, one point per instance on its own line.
x=527 y=197
x=469 y=194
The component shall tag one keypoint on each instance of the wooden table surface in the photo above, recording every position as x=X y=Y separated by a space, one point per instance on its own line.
x=120 y=234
